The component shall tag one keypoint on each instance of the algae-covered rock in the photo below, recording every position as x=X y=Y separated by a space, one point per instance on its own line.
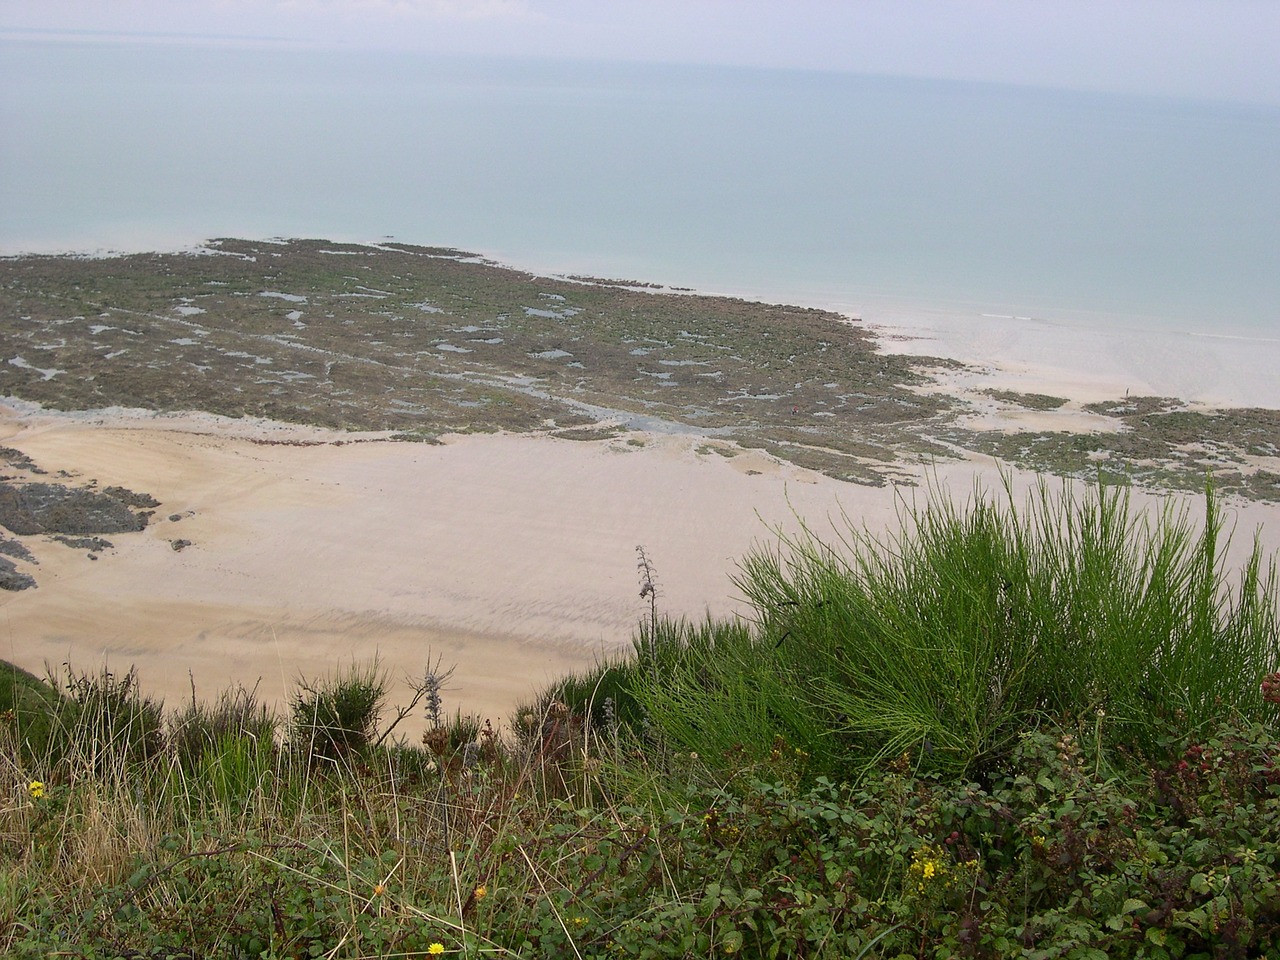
x=11 y=579
x=33 y=508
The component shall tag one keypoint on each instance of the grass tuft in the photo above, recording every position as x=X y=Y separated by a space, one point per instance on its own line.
x=336 y=716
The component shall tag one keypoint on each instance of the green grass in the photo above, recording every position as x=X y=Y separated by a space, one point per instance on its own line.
x=1037 y=729
x=31 y=707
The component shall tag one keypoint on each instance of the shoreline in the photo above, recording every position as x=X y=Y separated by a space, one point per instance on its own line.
x=1087 y=365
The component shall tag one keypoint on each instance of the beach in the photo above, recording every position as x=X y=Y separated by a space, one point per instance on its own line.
x=280 y=551
x=512 y=557
x=496 y=446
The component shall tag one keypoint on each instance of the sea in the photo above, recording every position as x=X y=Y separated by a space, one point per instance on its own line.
x=970 y=210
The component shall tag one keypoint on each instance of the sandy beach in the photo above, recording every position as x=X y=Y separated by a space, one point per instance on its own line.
x=511 y=556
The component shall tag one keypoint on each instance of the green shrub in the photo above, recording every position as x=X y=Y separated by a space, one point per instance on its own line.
x=30 y=710
x=338 y=715
x=949 y=638
x=716 y=690
x=601 y=695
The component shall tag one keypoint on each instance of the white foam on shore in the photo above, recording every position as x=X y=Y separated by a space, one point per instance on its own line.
x=1091 y=360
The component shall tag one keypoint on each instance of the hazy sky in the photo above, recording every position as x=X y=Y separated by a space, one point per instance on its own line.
x=1219 y=49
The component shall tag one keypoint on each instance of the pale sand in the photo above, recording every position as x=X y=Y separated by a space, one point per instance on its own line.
x=511 y=556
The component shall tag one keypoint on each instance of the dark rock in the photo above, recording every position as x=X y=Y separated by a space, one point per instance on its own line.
x=11 y=579
x=85 y=543
x=175 y=517
x=129 y=498
x=33 y=508
x=17 y=458
x=12 y=548
x=179 y=544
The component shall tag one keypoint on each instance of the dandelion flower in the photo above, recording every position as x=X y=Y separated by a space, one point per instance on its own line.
x=378 y=889
x=481 y=891
x=36 y=789
x=436 y=949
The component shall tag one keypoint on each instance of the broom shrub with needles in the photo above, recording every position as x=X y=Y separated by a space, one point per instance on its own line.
x=971 y=625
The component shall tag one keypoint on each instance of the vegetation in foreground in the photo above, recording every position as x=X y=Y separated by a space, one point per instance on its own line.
x=1037 y=732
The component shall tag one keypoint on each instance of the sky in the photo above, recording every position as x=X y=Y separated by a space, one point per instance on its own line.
x=1201 y=49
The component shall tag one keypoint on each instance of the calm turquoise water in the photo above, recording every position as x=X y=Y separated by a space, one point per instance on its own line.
x=863 y=192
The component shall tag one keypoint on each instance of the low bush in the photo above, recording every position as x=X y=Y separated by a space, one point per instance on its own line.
x=337 y=716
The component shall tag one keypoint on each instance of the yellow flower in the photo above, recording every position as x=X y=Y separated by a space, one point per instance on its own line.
x=378 y=889
x=481 y=891
x=36 y=789
x=436 y=949
x=579 y=921
x=927 y=865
